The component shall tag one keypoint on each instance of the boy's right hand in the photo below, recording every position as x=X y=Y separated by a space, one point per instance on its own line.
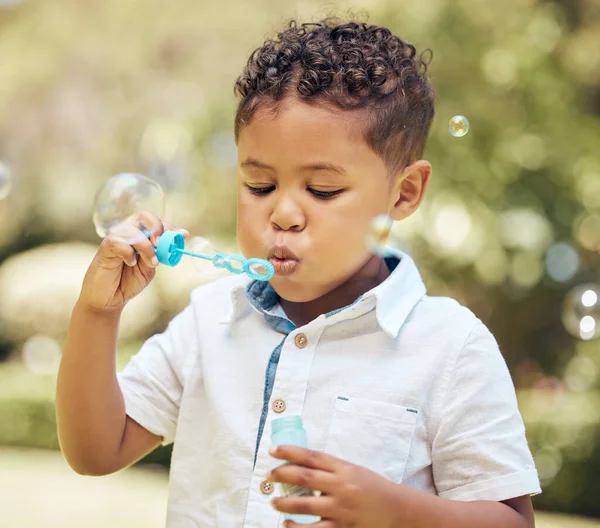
x=117 y=274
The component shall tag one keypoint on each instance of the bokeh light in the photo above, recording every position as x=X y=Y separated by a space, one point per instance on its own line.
x=452 y=225
x=581 y=311
x=588 y=232
x=581 y=373
x=562 y=262
x=526 y=229
x=41 y=354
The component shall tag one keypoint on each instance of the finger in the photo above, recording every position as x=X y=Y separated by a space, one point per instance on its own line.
x=306 y=457
x=312 y=479
x=171 y=227
x=150 y=224
x=132 y=236
x=327 y=523
x=115 y=246
x=323 y=506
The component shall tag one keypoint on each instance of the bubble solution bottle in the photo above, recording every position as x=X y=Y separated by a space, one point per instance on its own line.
x=289 y=430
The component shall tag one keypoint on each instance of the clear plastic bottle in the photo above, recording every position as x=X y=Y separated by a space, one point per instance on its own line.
x=289 y=430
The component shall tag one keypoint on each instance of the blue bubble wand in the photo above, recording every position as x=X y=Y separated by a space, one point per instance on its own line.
x=171 y=249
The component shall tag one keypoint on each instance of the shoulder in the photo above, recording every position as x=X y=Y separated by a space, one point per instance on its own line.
x=219 y=299
x=222 y=286
x=445 y=317
x=453 y=338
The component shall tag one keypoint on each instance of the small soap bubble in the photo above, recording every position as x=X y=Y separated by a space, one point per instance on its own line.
x=127 y=204
x=459 y=126
x=223 y=150
x=377 y=236
x=581 y=312
x=204 y=247
x=5 y=180
x=41 y=354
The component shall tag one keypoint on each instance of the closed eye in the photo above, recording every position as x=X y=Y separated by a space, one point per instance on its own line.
x=323 y=195
x=260 y=190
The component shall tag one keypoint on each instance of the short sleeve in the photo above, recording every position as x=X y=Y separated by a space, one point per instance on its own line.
x=152 y=382
x=480 y=451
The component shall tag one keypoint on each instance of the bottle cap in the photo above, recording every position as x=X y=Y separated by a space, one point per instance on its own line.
x=168 y=242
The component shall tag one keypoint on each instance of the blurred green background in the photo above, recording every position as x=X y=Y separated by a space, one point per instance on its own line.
x=510 y=226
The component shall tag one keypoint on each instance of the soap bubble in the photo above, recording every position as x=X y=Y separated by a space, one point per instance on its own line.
x=126 y=204
x=165 y=147
x=204 y=247
x=562 y=262
x=548 y=463
x=223 y=150
x=459 y=126
x=5 y=180
x=581 y=311
x=379 y=231
x=41 y=354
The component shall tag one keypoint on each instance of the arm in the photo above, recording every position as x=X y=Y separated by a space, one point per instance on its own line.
x=417 y=509
x=356 y=496
x=95 y=435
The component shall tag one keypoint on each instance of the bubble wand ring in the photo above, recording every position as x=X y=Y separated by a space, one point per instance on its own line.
x=171 y=248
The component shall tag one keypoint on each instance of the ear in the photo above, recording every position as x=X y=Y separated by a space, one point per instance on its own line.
x=409 y=189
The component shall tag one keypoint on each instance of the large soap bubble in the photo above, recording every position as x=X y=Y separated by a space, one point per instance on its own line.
x=128 y=204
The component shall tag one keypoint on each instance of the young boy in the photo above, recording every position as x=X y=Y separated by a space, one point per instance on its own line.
x=408 y=404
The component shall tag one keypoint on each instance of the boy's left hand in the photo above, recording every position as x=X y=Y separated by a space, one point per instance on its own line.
x=351 y=495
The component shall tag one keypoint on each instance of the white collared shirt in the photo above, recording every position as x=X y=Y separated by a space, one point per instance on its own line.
x=411 y=386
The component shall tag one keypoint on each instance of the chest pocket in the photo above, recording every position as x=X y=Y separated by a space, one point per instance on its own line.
x=372 y=434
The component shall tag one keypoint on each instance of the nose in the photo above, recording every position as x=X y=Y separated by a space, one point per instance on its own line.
x=287 y=215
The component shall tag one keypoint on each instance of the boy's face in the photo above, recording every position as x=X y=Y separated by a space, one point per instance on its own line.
x=308 y=181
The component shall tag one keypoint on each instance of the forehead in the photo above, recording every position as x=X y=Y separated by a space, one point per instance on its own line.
x=298 y=130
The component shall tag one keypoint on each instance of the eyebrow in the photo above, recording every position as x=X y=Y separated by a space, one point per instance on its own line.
x=319 y=166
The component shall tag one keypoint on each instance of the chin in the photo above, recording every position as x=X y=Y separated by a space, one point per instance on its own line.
x=296 y=293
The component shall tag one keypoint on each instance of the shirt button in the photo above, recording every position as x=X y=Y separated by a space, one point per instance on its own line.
x=267 y=487
x=301 y=340
x=278 y=405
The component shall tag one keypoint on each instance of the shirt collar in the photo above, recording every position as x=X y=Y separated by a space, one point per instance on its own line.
x=395 y=297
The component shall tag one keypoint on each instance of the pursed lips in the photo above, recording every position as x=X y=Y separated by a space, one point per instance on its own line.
x=281 y=252
x=283 y=259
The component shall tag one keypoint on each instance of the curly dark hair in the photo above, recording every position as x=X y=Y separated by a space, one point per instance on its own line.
x=352 y=66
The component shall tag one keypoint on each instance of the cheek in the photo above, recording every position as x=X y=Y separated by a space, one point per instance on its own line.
x=347 y=227
x=248 y=210
x=248 y=227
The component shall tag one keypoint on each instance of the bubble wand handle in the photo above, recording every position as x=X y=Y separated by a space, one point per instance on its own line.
x=170 y=250
x=192 y=254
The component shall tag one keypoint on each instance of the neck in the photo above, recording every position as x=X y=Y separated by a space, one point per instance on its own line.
x=373 y=273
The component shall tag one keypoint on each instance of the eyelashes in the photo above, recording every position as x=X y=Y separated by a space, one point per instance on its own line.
x=323 y=195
